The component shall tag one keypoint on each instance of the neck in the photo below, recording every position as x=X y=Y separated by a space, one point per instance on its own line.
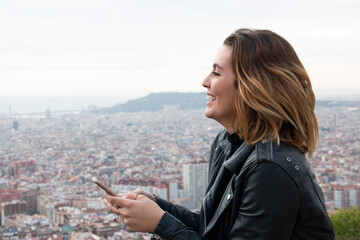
x=230 y=129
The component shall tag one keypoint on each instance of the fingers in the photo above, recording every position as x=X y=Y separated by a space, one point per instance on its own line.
x=111 y=207
x=117 y=201
x=121 y=205
x=118 y=211
x=145 y=193
x=137 y=211
x=122 y=195
x=133 y=195
x=114 y=209
x=140 y=191
x=124 y=205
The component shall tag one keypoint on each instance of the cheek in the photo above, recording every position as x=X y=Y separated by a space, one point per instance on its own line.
x=218 y=89
x=229 y=99
x=226 y=94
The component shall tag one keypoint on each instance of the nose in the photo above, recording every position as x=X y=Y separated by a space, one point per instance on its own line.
x=206 y=82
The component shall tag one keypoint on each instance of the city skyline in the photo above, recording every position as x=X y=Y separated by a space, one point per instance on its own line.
x=49 y=162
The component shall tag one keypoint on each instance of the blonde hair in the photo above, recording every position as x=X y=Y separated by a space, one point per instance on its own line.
x=275 y=100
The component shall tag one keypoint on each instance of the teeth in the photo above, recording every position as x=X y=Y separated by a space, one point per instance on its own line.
x=212 y=98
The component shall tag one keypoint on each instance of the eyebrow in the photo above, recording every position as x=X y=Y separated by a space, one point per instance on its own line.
x=217 y=66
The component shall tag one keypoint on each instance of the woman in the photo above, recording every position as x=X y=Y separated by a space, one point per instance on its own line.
x=260 y=184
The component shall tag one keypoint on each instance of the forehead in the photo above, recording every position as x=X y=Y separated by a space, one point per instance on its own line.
x=223 y=57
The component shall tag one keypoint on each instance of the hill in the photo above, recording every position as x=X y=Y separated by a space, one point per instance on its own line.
x=180 y=100
x=158 y=101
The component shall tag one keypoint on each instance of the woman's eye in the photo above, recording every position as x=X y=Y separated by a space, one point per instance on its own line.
x=216 y=74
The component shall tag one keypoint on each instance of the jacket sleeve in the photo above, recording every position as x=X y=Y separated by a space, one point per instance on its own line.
x=170 y=227
x=189 y=218
x=178 y=222
x=269 y=205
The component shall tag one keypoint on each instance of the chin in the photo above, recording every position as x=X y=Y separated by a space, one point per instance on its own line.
x=209 y=114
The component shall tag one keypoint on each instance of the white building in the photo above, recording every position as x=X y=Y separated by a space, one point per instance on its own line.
x=173 y=190
x=195 y=180
x=346 y=196
x=95 y=203
x=338 y=198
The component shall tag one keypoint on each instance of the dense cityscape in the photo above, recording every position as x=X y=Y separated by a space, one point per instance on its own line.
x=47 y=163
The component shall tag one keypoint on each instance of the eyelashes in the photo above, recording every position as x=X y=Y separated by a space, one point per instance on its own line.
x=216 y=74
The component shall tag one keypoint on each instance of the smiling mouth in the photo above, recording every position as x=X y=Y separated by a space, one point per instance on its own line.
x=212 y=98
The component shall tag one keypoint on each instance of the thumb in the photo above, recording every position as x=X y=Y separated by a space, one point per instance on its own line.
x=133 y=195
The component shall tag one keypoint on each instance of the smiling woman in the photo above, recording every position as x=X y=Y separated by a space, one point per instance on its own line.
x=260 y=184
x=221 y=89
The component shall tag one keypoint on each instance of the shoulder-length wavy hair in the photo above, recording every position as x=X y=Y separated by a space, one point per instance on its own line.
x=275 y=100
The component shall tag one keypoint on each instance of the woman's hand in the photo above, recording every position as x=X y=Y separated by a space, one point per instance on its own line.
x=139 y=191
x=139 y=212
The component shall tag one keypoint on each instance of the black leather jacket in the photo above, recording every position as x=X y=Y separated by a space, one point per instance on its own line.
x=266 y=191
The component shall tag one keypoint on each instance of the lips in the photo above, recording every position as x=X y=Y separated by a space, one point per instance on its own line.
x=212 y=98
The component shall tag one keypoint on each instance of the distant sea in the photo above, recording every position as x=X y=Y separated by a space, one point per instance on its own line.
x=40 y=104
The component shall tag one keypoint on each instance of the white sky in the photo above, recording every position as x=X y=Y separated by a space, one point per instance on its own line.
x=131 y=48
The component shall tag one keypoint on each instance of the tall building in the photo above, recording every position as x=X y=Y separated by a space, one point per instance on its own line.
x=47 y=113
x=30 y=197
x=195 y=180
x=173 y=190
x=9 y=194
x=346 y=196
x=12 y=208
x=23 y=167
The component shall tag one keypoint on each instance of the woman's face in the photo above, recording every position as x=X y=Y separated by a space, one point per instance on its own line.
x=221 y=90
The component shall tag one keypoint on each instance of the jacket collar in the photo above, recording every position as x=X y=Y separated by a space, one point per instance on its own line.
x=237 y=160
x=263 y=151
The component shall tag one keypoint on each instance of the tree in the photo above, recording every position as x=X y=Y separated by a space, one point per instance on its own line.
x=346 y=223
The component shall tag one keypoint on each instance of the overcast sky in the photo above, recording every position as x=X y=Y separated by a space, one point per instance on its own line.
x=131 y=48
